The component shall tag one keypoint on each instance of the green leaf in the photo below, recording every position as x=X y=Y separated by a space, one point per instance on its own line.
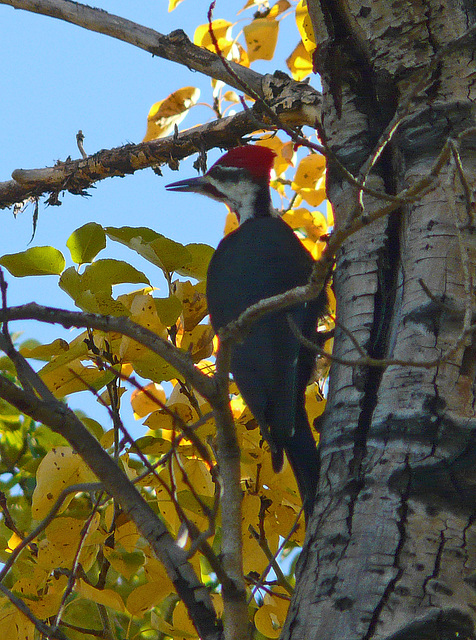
x=102 y=274
x=171 y=255
x=168 y=309
x=164 y=253
x=44 y=351
x=86 y=242
x=126 y=234
x=198 y=266
x=92 y=291
x=71 y=282
x=37 y=261
x=154 y=368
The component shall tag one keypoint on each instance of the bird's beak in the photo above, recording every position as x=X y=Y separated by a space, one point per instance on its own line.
x=196 y=185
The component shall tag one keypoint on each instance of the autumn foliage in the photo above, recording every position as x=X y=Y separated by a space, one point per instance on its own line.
x=87 y=561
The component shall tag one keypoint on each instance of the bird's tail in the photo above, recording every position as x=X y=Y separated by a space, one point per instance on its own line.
x=304 y=459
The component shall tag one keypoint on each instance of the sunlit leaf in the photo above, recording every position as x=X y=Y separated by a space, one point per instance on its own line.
x=106 y=597
x=148 y=399
x=221 y=30
x=194 y=302
x=37 y=261
x=309 y=170
x=197 y=267
x=304 y=25
x=60 y=468
x=172 y=256
x=231 y=223
x=170 y=112
x=86 y=242
x=147 y=596
x=300 y=62
x=45 y=351
x=261 y=37
x=278 y=8
x=198 y=342
x=329 y=214
x=102 y=274
x=159 y=250
x=284 y=153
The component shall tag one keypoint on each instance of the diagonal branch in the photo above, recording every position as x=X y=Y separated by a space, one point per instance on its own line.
x=175 y=47
x=62 y=420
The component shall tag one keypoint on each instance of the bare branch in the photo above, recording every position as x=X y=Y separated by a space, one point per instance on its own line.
x=48 y=632
x=62 y=420
x=179 y=359
x=175 y=47
x=76 y=176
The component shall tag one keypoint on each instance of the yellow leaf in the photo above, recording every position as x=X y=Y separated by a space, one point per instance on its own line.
x=267 y=621
x=13 y=542
x=183 y=627
x=43 y=599
x=198 y=342
x=127 y=535
x=148 y=399
x=329 y=214
x=310 y=169
x=278 y=8
x=231 y=223
x=173 y=4
x=315 y=403
x=14 y=625
x=125 y=563
x=179 y=395
x=261 y=37
x=155 y=570
x=144 y=312
x=304 y=25
x=170 y=420
x=284 y=153
x=250 y=511
x=231 y=96
x=221 y=30
x=194 y=302
x=60 y=468
x=106 y=597
x=165 y=114
x=147 y=596
x=198 y=475
x=75 y=377
x=313 y=223
x=300 y=62
x=314 y=197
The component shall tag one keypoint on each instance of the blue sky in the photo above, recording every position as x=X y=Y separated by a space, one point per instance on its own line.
x=58 y=78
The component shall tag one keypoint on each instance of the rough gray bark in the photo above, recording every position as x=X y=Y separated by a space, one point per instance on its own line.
x=390 y=550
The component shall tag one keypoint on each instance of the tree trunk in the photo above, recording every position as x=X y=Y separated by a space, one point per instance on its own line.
x=391 y=546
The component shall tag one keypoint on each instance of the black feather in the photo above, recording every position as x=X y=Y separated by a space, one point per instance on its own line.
x=271 y=367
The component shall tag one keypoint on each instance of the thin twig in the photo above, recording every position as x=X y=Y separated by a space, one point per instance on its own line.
x=46 y=630
x=75 y=488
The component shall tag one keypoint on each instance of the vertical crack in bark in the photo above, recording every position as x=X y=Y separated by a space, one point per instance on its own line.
x=401 y=523
x=437 y=563
x=378 y=347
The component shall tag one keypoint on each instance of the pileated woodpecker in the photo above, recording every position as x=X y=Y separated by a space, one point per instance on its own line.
x=263 y=258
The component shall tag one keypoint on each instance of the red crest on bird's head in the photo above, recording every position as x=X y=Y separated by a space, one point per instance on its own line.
x=257 y=160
